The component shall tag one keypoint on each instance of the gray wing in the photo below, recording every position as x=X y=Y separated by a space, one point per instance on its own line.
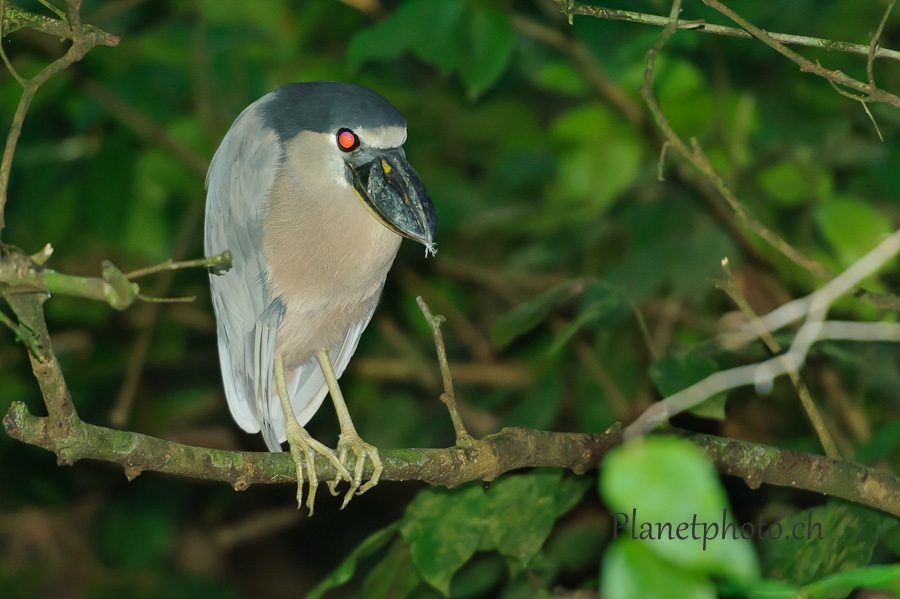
x=239 y=181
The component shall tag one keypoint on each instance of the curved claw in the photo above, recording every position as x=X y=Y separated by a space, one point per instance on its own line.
x=303 y=449
x=363 y=451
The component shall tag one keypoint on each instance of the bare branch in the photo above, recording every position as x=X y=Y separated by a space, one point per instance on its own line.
x=15 y=18
x=872 y=93
x=82 y=43
x=448 y=396
x=216 y=264
x=486 y=459
x=704 y=27
x=813 y=309
x=18 y=273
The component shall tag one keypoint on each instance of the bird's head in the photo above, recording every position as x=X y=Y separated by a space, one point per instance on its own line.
x=362 y=135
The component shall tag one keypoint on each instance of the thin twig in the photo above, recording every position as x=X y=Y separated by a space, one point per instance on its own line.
x=138 y=122
x=695 y=155
x=186 y=299
x=813 y=310
x=463 y=438
x=584 y=60
x=6 y=61
x=873 y=45
x=730 y=287
x=81 y=45
x=118 y=415
x=872 y=94
x=24 y=336
x=218 y=263
x=59 y=13
x=470 y=335
x=703 y=27
x=15 y=18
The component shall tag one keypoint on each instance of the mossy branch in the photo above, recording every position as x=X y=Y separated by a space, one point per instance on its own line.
x=484 y=459
x=15 y=18
x=20 y=273
x=699 y=25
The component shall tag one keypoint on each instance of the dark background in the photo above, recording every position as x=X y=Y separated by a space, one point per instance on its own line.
x=542 y=162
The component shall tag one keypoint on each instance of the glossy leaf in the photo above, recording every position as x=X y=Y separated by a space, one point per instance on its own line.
x=527 y=315
x=673 y=501
x=443 y=529
x=674 y=373
x=490 y=43
x=345 y=570
x=852 y=227
x=395 y=576
x=632 y=570
x=521 y=511
x=821 y=541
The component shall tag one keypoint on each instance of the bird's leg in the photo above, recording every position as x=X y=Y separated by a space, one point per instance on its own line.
x=350 y=439
x=303 y=446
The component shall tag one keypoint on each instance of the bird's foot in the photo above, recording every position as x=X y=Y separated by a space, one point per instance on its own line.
x=304 y=449
x=363 y=451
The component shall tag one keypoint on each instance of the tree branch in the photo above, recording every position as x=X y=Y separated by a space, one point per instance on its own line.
x=15 y=18
x=696 y=156
x=485 y=459
x=20 y=273
x=872 y=93
x=704 y=27
x=82 y=43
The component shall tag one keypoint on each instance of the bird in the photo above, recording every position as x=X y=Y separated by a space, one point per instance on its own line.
x=311 y=192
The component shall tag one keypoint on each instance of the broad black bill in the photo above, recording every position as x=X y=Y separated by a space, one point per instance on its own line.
x=393 y=192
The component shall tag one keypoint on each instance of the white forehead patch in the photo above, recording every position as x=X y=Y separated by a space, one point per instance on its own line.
x=382 y=137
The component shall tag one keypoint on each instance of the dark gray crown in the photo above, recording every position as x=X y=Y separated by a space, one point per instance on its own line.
x=325 y=107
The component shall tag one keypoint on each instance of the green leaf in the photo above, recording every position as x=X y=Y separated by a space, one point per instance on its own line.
x=491 y=39
x=839 y=585
x=836 y=585
x=852 y=227
x=443 y=528
x=561 y=78
x=631 y=569
x=431 y=30
x=527 y=315
x=521 y=511
x=570 y=490
x=539 y=407
x=598 y=157
x=674 y=373
x=665 y=485
x=345 y=570
x=578 y=545
x=784 y=183
x=395 y=576
x=479 y=577
x=598 y=300
x=833 y=538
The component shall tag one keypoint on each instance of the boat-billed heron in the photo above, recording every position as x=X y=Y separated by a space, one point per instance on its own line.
x=311 y=192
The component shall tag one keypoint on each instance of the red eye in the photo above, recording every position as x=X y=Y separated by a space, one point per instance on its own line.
x=347 y=140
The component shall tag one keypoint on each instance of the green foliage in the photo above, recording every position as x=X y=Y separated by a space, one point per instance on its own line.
x=576 y=285
x=443 y=530
x=853 y=532
x=646 y=482
x=345 y=571
x=474 y=38
x=527 y=315
x=852 y=228
x=674 y=373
